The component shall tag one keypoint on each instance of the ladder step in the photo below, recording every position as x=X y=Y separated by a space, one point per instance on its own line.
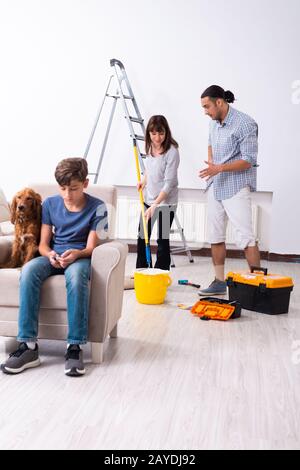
x=139 y=137
x=177 y=230
x=112 y=96
x=179 y=250
x=134 y=119
x=127 y=97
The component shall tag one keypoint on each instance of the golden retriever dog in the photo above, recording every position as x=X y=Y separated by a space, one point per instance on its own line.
x=26 y=211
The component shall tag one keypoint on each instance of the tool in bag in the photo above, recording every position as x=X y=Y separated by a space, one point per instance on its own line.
x=185 y=282
x=212 y=308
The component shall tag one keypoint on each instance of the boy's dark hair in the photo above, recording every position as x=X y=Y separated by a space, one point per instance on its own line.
x=158 y=124
x=215 y=92
x=71 y=169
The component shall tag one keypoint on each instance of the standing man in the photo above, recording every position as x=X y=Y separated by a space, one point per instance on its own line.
x=231 y=176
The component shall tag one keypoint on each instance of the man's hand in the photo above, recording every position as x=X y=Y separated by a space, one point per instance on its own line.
x=68 y=257
x=211 y=170
x=150 y=211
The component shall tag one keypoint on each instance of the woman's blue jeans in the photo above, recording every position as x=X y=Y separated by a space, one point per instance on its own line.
x=77 y=275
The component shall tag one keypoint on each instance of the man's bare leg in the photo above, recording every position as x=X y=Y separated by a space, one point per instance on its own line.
x=218 y=253
x=252 y=255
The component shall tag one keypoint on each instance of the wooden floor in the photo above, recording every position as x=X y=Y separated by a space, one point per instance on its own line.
x=170 y=381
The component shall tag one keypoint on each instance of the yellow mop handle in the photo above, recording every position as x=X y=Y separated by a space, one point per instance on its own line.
x=140 y=192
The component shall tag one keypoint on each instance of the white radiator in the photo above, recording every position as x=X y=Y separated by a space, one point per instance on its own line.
x=192 y=216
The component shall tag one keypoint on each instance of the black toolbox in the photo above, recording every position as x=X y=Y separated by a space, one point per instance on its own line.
x=259 y=291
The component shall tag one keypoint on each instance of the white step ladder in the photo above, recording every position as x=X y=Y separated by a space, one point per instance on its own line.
x=124 y=93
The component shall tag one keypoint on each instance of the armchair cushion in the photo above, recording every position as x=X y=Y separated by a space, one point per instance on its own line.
x=53 y=294
x=7 y=228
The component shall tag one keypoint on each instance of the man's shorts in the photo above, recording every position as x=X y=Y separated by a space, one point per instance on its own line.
x=238 y=210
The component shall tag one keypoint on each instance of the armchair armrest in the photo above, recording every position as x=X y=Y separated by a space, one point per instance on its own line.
x=5 y=248
x=107 y=287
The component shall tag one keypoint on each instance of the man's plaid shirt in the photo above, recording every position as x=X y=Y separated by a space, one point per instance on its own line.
x=234 y=139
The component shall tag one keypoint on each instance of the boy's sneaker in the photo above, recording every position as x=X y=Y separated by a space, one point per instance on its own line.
x=74 y=362
x=21 y=359
x=216 y=288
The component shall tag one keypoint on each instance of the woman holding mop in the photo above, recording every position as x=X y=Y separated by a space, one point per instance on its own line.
x=160 y=186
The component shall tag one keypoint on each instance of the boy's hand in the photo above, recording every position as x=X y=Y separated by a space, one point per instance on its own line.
x=54 y=259
x=68 y=257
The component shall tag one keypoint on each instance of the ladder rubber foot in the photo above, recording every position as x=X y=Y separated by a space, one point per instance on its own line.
x=172 y=265
x=191 y=260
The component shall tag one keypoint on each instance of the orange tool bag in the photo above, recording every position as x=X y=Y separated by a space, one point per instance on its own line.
x=212 y=308
x=257 y=290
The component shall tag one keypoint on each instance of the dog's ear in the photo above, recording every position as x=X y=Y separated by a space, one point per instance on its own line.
x=13 y=209
x=37 y=205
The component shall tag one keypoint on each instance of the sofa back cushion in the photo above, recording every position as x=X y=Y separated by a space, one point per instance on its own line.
x=4 y=208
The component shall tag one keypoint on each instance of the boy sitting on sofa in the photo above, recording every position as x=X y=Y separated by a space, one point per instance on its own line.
x=68 y=238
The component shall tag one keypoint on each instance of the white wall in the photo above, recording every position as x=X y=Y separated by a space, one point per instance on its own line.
x=55 y=65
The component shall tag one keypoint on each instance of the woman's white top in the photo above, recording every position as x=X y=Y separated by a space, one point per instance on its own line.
x=161 y=174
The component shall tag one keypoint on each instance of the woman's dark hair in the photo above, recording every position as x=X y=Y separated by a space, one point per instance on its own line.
x=71 y=169
x=215 y=92
x=159 y=124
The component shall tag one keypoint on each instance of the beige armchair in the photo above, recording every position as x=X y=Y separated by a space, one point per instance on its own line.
x=106 y=285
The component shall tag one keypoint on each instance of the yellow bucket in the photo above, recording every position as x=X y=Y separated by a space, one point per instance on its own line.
x=151 y=285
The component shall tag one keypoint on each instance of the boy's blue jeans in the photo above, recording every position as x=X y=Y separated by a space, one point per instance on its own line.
x=33 y=274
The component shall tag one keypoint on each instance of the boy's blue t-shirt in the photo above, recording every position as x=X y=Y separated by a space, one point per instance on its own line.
x=71 y=229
